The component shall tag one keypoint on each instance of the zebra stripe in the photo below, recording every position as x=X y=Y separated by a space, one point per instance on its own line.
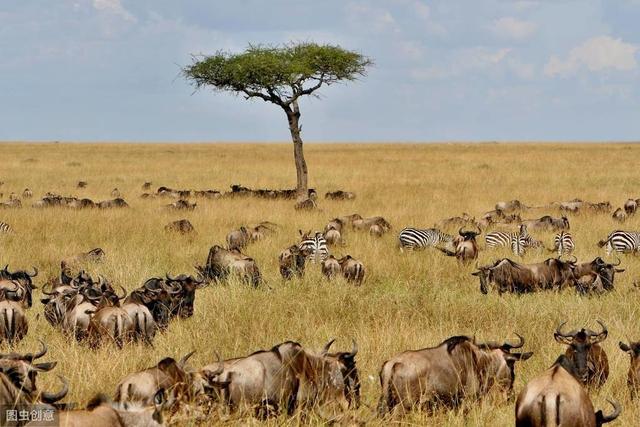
x=5 y=228
x=415 y=238
x=315 y=248
x=621 y=241
x=563 y=243
x=517 y=241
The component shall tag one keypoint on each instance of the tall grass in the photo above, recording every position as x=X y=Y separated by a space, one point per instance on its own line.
x=408 y=300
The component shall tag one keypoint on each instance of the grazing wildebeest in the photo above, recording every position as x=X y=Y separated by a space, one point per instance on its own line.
x=466 y=247
x=81 y=184
x=619 y=215
x=182 y=226
x=631 y=206
x=548 y=222
x=27 y=194
x=142 y=386
x=340 y=195
x=590 y=360
x=102 y=412
x=239 y=239
x=94 y=255
x=378 y=224
x=332 y=237
x=588 y=272
x=18 y=374
x=115 y=203
x=557 y=398
x=633 y=376
x=306 y=204
x=509 y=276
x=457 y=221
x=292 y=262
x=510 y=206
x=221 y=263
x=331 y=267
x=182 y=204
x=456 y=369
x=352 y=269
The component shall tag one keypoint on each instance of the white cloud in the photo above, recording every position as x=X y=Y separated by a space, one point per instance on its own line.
x=421 y=9
x=464 y=61
x=363 y=16
x=513 y=28
x=114 y=7
x=596 y=54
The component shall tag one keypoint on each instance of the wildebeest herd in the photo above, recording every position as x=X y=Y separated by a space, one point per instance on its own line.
x=290 y=377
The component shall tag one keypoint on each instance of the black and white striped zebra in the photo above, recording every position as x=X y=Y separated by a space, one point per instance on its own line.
x=518 y=241
x=5 y=228
x=314 y=247
x=416 y=238
x=563 y=243
x=621 y=241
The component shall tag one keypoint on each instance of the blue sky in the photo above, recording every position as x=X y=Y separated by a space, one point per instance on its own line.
x=444 y=70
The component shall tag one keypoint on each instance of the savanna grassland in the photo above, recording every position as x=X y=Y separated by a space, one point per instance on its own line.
x=408 y=300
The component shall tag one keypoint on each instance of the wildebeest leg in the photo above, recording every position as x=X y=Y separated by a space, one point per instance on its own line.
x=266 y=409
x=293 y=398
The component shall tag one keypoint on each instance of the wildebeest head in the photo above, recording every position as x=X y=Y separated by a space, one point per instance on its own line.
x=469 y=235
x=485 y=274
x=580 y=343
x=24 y=279
x=606 y=271
x=159 y=299
x=504 y=375
x=184 y=300
x=349 y=371
x=22 y=372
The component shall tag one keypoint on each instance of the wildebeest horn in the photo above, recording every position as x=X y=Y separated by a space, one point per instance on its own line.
x=124 y=295
x=54 y=397
x=617 y=409
x=220 y=367
x=559 y=333
x=519 y=345
x=33 y=356
x=575 y=259
x=619 y=261
x=460 y=232
x=35 y=272
x=6 y=269
x=44 y=289
x=602 y=333
x=173 y=289
x=185 y=358
x=327 y=346
x=169 y=278
x=354 y=349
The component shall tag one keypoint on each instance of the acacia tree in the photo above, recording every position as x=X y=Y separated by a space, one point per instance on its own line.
x=280 y=75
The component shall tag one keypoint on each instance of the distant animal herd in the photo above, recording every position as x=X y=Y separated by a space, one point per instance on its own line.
x=290 y=377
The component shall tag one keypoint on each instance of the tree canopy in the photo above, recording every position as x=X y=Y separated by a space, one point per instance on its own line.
x=278 y=74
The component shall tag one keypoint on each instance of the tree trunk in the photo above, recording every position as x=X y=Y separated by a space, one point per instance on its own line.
x=293 y=115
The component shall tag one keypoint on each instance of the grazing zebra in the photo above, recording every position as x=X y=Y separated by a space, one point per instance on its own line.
x=415 y=238
x=563 y=243
x=314 y=247
x=518 y=241
x=621 y=241
x=5 y=228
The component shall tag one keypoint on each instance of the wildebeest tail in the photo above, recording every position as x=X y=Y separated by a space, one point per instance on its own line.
x=602 y=243
x=388 y=399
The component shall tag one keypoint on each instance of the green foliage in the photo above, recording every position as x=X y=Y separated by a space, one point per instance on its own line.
x=278 y=74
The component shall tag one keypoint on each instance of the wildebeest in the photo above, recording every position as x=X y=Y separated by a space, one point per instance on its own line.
x=510 y=206
x=144 y=326
x=588 y=273
x=510 y=276
x=110 y=321
x=182 y=204
x=630 y=206
x=330 y=267
x=146 y=186
x=102 y=412
x=375 y=225
x=456 y=369
x=292 y=262
x=115 y=193
x=182 y=226
x=557 y=398
x=457 y=221
x=633 y=376
x=94 y=255
x=340 y=195
x=18 y=374
x=115 y=203
x=168 y=374
x=465 y=246
x=184 y=299
x=590 y=360
x=306 y=205
x=619 y=215
x=11 y=203
x=24 y=280
x=221 y=263
x=352 y=269
x=548 y=222
x=81 y=184
x=286 y=376
x=332 y=236
x=27 y=194
x=13 y=320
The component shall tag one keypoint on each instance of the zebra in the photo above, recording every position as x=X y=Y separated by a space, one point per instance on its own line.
x=5 y=228
x=314 y=247
x=563 y=243
x=416 y=238
x=518 y=241
x=621 y=241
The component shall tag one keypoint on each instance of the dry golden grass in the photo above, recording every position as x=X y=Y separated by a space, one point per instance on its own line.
x=409 y=300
